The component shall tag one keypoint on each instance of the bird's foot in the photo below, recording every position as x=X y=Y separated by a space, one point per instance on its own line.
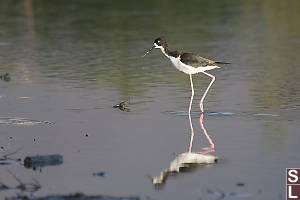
x=206 y=150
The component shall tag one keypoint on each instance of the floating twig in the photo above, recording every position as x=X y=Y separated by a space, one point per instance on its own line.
x=24 y=187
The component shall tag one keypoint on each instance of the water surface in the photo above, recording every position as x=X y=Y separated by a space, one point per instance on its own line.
x=70 y=62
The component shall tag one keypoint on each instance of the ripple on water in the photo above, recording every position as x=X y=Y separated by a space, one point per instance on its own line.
x=23 y=121
x=266 y=115
x=3 y=43
x=197 y=113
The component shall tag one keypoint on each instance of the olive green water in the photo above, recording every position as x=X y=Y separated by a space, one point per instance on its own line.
x=71 y=61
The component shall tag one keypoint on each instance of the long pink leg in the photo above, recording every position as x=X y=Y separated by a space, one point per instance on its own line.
x=212 y=145
x=190 y=118
x=212 y=80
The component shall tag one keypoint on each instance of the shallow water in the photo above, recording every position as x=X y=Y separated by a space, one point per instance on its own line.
x=70 y=63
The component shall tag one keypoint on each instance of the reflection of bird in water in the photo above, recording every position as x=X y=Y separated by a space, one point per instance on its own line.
x=188 y=160
x=189 y=64
x=206 y=149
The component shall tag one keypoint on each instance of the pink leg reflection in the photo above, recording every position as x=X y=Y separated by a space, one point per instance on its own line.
x=212 y=145
x=190 y=118
x=206 y=150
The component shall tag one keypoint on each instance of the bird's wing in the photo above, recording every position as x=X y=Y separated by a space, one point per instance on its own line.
x=195 y=61
x=175 y=53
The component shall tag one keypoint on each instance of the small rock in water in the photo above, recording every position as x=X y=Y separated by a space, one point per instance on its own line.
x=122 y=106
x=42 y=161
x=101 y=174
x=240 y=184
x=48 y=123
x=36 y=138
x=5 y=77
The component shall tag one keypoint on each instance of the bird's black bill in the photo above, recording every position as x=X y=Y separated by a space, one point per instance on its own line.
x=148 y=51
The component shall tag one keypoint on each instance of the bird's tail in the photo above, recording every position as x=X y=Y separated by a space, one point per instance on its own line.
x=223 y=63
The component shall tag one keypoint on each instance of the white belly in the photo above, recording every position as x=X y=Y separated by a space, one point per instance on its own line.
x=188 y=69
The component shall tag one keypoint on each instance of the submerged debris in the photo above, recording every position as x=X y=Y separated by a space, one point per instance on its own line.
x=22 y=121
x=5 y=77
x=240 y=184
x=35 y=162
x=23 y=187
x=101 y=174
x=222 y=195
x=77 y=196
x=85 y=133
x=122 y=106
x=184 y=161
x=7 y=160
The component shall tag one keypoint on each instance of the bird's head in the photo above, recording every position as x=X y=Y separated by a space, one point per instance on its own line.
x=159 y=43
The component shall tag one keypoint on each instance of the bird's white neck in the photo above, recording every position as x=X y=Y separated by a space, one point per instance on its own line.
x=164 y=52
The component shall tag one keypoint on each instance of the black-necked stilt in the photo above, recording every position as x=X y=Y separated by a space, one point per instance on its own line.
x=189 y=64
